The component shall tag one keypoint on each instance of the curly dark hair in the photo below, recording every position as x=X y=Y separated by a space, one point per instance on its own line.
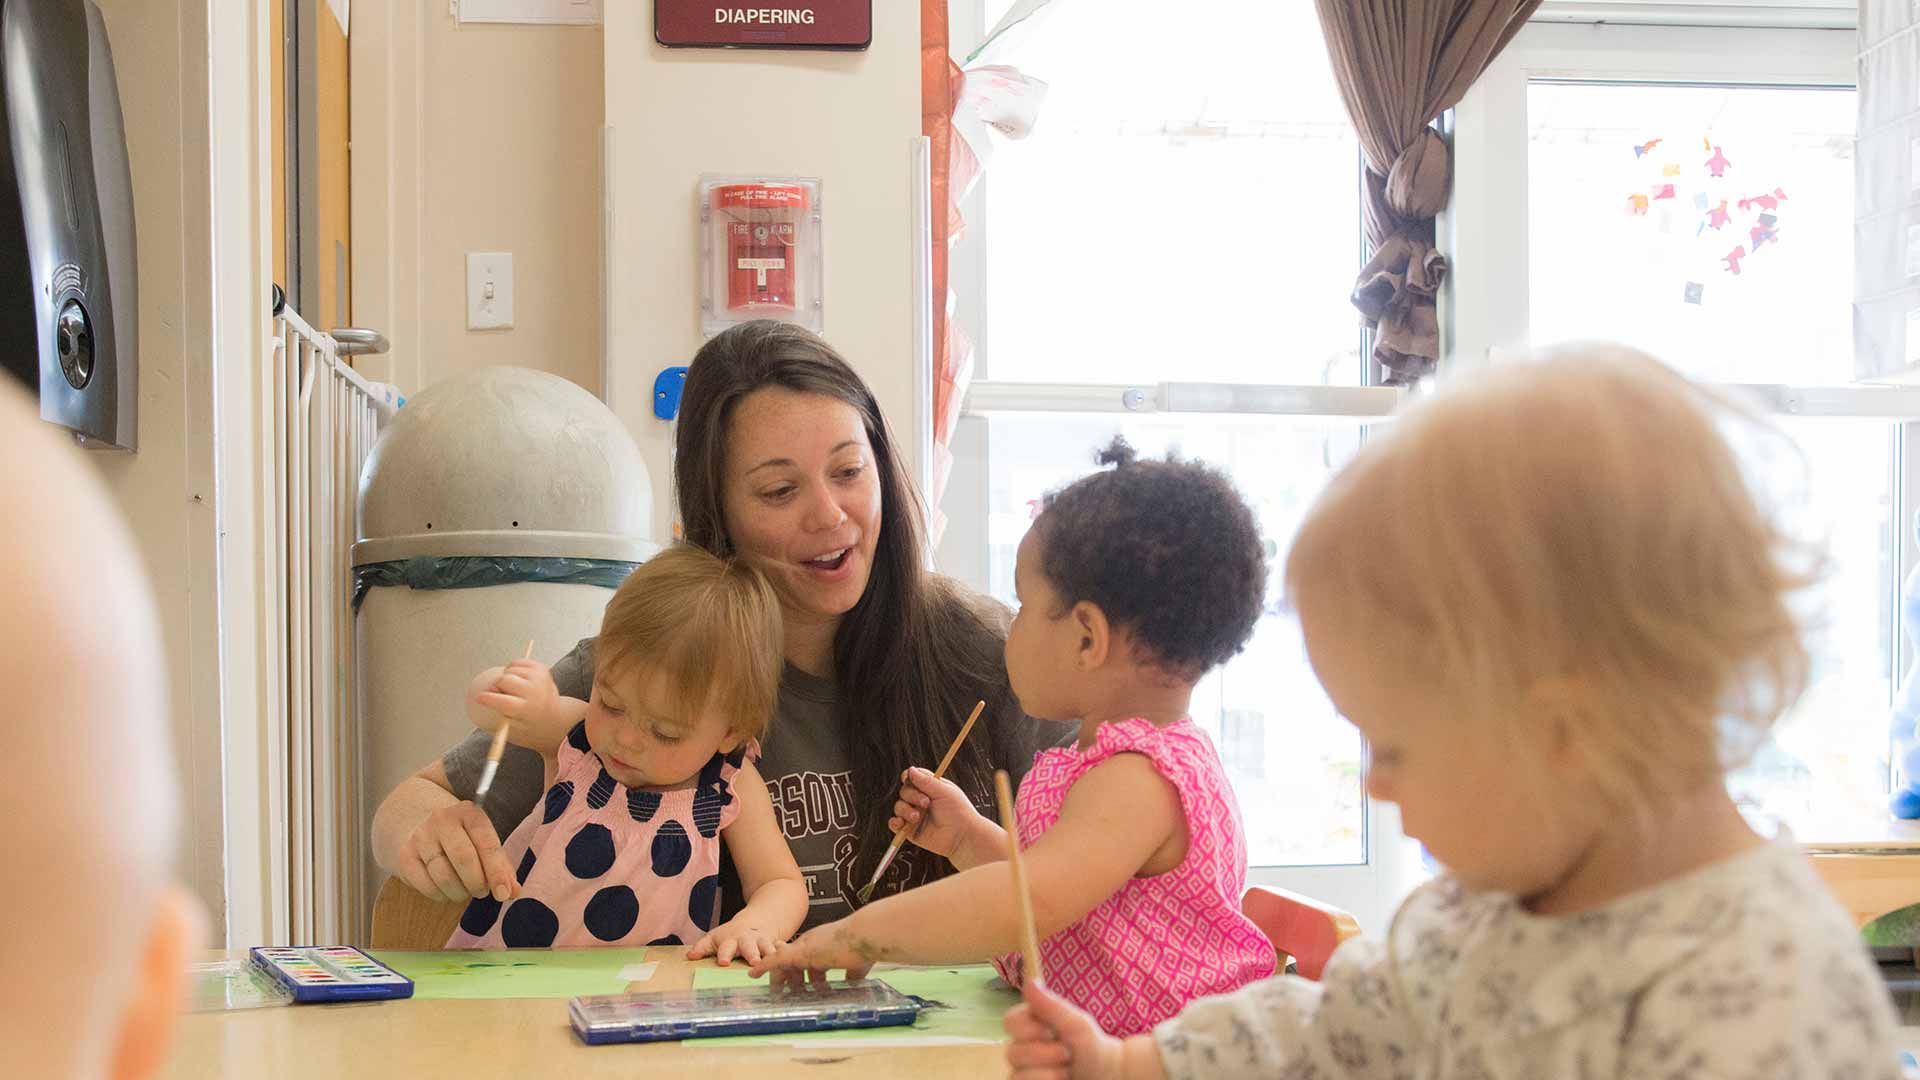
x=1167 y=549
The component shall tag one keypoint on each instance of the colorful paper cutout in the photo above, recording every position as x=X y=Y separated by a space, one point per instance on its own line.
x=1664 y=191
x=1637 y=204
x=1699 y=200
x=1718 y=217
x=1764 y=202
x=1694 y=292
x=1732 y=259
x=1670 y=169
x=1718 y=164
x=1761 y=234
x=1645 y=148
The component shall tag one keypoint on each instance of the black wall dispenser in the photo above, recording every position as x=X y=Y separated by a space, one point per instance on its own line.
x=69 y=303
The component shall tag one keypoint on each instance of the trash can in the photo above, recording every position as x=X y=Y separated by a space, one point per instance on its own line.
x=497 y=507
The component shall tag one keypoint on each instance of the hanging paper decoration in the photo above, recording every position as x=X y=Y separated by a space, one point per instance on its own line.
x=1672 y=176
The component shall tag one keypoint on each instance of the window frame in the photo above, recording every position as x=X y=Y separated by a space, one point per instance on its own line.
x=1483 y=306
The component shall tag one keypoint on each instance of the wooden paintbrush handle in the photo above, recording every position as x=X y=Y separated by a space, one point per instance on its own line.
x=1029 y=933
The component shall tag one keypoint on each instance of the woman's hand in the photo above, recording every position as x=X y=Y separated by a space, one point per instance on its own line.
x=735 y=937
x=523 y=693
x=455 y=856
x=807 y=958
x=1052 y=1040
x=948 y=822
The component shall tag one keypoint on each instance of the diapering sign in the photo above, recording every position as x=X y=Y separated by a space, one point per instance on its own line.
x=764 y=24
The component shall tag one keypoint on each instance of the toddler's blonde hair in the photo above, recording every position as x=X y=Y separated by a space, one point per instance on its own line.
x=1575 y=521
x=711 y=625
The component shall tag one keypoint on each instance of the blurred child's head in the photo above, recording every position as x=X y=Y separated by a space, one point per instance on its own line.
x=94 y=932
x=1549 y=600
x=687 y=663
x=1151 y=568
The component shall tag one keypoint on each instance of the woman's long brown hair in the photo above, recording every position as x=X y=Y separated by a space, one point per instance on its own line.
x=915 y=652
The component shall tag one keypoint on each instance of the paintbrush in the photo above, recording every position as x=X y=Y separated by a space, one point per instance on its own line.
x=907 y=833
x=1029 y=933
x=494 y=751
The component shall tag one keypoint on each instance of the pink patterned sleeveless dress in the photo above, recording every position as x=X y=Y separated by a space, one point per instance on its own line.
x=600 y=864
x=1161 y=941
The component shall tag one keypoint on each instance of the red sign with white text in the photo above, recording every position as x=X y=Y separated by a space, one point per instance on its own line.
x=764 y=24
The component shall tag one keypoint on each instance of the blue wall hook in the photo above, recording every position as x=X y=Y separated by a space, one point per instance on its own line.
x=666 y=392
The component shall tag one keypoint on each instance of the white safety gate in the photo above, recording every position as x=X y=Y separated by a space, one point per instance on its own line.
x=320 y=419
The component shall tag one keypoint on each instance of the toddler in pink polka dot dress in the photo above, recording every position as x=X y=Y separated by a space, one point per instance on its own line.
x=1133 y=584
x=650 y=776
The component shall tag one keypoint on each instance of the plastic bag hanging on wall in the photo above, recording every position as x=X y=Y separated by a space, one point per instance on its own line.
x=760 y=251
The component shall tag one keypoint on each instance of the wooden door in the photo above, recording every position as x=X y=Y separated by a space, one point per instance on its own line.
x=312 y=233
x=332 y=217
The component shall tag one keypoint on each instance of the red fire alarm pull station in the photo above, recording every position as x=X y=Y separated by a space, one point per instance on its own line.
x=764 y=24
x=763 y=227
x=761 y=250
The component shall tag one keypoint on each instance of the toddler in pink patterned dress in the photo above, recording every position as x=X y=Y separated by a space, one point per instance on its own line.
x=1133 y=583
x=647 y=779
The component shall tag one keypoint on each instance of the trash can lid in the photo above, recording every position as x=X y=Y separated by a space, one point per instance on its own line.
x=504 y=461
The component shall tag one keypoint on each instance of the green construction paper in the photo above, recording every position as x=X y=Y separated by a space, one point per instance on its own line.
x=514 y=973
x=972 y=1001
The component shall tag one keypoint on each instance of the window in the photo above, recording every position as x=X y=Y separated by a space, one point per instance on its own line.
x=1690 y=191
x=1168 y=256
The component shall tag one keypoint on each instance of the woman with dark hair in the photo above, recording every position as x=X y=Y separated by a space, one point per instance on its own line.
x=783 y=459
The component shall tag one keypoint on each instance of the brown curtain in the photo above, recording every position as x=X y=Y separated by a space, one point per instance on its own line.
x=1400 y=64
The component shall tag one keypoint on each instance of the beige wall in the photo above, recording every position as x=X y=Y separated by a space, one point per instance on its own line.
x=167 y=490
x=849 y=118
x=475 y=138
x=482 y=138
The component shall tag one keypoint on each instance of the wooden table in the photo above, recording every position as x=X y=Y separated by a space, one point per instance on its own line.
x=527 y=1037
x=1869 y=860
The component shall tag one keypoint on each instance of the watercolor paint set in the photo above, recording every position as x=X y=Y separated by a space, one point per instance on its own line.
x=331 y=973
x=737 y=1010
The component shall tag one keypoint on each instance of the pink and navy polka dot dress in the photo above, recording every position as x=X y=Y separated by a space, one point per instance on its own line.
x=602 y=864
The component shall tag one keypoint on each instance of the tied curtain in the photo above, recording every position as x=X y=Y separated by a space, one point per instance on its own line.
x=1400 y=64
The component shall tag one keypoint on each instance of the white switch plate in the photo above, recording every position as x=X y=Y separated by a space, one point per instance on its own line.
x=550 y=12
x=489 y=290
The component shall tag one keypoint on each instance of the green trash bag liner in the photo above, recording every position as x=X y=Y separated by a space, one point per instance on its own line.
x=481 y=571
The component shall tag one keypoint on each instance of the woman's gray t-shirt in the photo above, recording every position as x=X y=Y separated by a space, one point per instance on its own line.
x=809 y=778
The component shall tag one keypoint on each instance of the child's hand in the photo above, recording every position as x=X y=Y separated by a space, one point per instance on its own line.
x=735 y=938
x=807 y=958
x=522 y=692
x=1055 y=1041
x=948 y=819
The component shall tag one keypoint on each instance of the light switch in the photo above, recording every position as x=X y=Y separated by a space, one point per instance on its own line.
x=489 y=290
